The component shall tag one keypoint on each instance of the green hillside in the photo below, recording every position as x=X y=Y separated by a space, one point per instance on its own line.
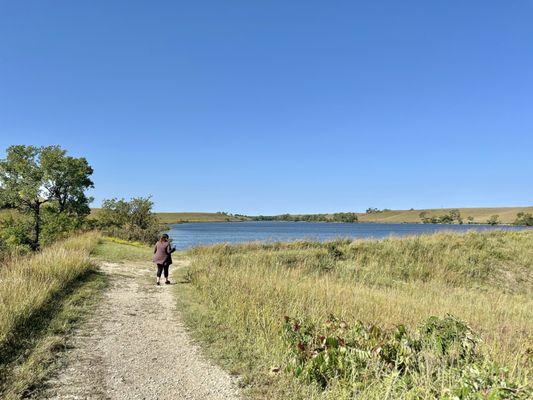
x=174 y=218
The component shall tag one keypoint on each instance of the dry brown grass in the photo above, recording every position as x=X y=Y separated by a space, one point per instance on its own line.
x=41 y=296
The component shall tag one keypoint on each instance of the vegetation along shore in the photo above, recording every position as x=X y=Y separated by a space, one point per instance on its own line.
x=436 y=316
x=480 y=215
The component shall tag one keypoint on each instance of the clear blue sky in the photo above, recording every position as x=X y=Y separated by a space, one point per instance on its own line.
x=278 y=106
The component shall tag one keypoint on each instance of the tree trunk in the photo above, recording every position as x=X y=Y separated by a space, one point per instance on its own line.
x=36 y=226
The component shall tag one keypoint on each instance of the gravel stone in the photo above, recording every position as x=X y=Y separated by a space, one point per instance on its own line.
x=135 y=346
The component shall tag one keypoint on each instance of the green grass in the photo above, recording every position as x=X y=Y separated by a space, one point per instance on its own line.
x=238 y=296
x=117 y=250
x=42 y=297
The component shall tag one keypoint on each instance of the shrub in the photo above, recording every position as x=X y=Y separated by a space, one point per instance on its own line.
x=493 y=220
x=335 y=352
x=523 y=219
x=15 y=235
x=130 y=220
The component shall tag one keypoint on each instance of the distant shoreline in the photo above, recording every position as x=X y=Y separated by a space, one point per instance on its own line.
x=338 y=222
x=479 y=215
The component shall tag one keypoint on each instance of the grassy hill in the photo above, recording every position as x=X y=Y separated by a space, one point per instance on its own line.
x=481 y=215
x=180 y=217
x=174 y=218
x=507 y=214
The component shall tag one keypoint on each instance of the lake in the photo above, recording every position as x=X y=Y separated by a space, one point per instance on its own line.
x=203 y=233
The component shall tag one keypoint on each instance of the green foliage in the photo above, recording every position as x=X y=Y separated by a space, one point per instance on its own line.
x=524 y=219
x=31 y=177
x=130 y=220
x=356 y=355
x=14 y=235
x=455 y=215
x=336 y=217
x=450 y=218
x=58 y=225
x=494 y=220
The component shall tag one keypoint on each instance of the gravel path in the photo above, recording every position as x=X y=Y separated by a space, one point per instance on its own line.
x=136 y=347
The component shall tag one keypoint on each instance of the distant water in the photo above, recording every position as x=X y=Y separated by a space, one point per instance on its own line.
x=193 y=234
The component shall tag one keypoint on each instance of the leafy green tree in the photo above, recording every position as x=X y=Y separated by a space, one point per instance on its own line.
x=493 y=220
x=130 y=220
x=523 y=218
x=470 y=219
x=31 y=177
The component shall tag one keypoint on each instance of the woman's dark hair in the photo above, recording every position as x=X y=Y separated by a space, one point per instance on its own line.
x=164 y=236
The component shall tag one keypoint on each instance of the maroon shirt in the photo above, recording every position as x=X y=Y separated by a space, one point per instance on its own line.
x=162 y=251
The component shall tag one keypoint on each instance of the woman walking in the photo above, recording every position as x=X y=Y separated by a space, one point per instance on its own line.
x=162 y=257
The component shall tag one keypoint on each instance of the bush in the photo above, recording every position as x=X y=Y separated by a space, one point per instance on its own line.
x=130 y=220
x=15 y=235
x=523 y=219
x=442 y=347
x=58 y=225
x=493 y=220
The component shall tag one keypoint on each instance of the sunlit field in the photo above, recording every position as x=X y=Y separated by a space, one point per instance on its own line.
x=353 y=318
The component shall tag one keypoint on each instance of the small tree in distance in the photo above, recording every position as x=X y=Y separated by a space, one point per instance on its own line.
x=523 y=218
x=493 y=220
x=455 y=215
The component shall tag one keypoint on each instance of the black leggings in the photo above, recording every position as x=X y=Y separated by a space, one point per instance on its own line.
x=161 y=268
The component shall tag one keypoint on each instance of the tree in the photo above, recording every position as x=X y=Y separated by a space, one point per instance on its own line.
x=523 y=218
x=31 y=177
x=493 y=220
x=131 y=220
x=470 y=219
x=424 y=216
x=455 y=215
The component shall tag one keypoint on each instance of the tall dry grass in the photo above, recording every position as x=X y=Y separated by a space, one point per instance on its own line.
x=28 y=284
x=241 y=293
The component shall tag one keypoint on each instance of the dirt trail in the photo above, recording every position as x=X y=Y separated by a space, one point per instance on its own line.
x=135 y=346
